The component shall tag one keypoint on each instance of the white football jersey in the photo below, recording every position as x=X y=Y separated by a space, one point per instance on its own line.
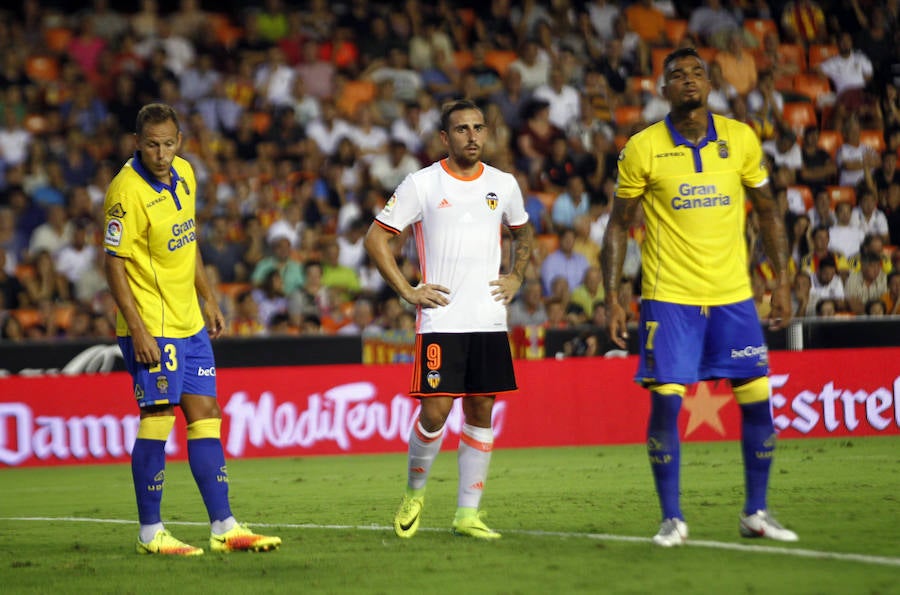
x=457 y=225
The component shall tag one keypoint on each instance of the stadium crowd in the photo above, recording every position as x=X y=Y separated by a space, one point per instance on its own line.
x=300 y=120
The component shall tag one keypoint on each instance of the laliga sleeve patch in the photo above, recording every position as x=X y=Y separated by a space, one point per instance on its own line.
x=113 y=236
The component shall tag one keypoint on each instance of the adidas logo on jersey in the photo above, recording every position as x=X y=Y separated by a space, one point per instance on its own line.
x=444 y=204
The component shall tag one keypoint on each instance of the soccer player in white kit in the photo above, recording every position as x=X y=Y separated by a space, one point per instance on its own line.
x=457 y=207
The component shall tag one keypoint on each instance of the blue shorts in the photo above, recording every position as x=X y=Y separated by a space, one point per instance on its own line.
x=685 y=344
x=186 y=366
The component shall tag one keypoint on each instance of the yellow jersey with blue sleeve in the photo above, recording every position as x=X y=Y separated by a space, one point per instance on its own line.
x=694 y=251
x=152 y=226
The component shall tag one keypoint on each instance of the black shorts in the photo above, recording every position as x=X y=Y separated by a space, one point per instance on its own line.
x=460 y=364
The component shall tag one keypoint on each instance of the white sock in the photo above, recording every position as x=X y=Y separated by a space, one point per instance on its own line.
x=219 y=527
x=149 y=531
x=474 y=458
x=424 y=447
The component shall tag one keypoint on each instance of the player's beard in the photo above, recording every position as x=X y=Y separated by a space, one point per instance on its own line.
x=465 y=159
x=690 y=105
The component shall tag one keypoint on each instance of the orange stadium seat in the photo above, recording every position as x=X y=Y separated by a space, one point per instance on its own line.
x=642 y=84
x=830 y=140
x=27 y=317
x=43 y=69
x=262 y=121
x=462 y=60
x=811 y=85
x=874 y=139
x=759 y=28
x=841 y=194
x=627 y=116
x=500 y=60
x=675 y=30
x=231 y=290
x=62 y=315
x=657 y=57
x=57 y=39
x=799 y=115
x=355 y=93
x=794 y=52
x=819 y=52
x=805 y=192
x=708 y=54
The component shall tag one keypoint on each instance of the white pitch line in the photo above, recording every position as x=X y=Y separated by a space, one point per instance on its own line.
x=720 y=545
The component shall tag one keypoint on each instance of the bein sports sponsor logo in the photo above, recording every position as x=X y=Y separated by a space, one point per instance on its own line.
x=342 y=415
x=833 y=408
x=699 y=197
x=760 y=351
x=206 y=371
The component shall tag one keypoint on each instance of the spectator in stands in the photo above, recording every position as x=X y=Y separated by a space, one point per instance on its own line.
x=413 y=128
x=571 y=203
x=589 y=292
x=800 y=294
x=318 y=73
x=76 y=257
x=766 y=103
x=535 y=138
x=327 y=130
x=291 y=274
x=873 y=244
x=389 y=169
x=798 y=237
x=14 y=139
x=512 y=99
x=46 y=285
x=245 y=322
x=854 y=158
x=827 y=308
x=487 y=80
x=538 y=214
x=584 y=243
x=738 y=64
x=821 y=238
x=336 y=276
x=562 y=98
x=819 y=168
x=826 y=285
x=218 y=251
x=53 y=234
x=891 y=297
x=850 y=71
x=803 y=22
x=109 y=24
x=362 y=320
x=821 y=213
x=712 y=22
x=270 y=297
x=867 y=284
x=845 y=237
x=11 y=329
x=11 y=289
x=532 y=64
x=885 y=176
x=783 y=66
x=721 y=92
x=146 y=20
x=407 y=82
x=785 y=153
x=559 y=167
x=563 y=262
x=528 y=308
x=868 y=217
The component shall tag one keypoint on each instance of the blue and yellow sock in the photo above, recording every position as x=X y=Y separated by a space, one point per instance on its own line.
x=757 y=441
x=207 y=460
x=664 y=446
x=148 y=466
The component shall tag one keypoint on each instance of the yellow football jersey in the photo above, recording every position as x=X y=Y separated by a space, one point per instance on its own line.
x=694 y=251
x=153 y=227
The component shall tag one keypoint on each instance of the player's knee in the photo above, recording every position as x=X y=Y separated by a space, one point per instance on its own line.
x=478 y=411
x=433 y=413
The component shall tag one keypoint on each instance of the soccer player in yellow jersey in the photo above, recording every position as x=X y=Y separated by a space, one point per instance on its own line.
x=156 y=274
x=692 y=173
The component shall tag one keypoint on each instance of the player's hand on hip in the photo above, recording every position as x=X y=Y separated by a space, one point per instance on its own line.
x=505 y=288
x=429 y=295
x=617 y=322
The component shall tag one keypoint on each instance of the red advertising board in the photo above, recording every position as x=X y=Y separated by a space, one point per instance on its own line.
x=90 y=418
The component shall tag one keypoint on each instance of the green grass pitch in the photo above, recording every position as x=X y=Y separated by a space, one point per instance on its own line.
x=574 y=520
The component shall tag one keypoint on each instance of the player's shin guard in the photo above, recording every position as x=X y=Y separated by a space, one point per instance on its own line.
x=664 y=447
x=424 y=447
x=757 y=441
x=474 y=459
x=207 y=461
x=148 y=465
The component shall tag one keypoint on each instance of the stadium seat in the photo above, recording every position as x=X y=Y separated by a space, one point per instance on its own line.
x=462 y=60
x=57 y=39
x=353 y=93
x=231 y=290
x=819 y=52
x=830 y=140
x=759 y=28
x=874 y=139
x=43 y=69
x=657 y=57
x=794 y=53
x=229 y=35
x=642 y=84
x=811 y=85
x=841 y=194
x=675 y=30
x=262 y=121
x=27 y=317
x=62 y=315
x=805 y=192
x=500 y=60
x=708 y=54
x=799 y=114
x=626 y=116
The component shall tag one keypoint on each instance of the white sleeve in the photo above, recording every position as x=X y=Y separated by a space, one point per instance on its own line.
x=404 y=207
x=515 y=214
